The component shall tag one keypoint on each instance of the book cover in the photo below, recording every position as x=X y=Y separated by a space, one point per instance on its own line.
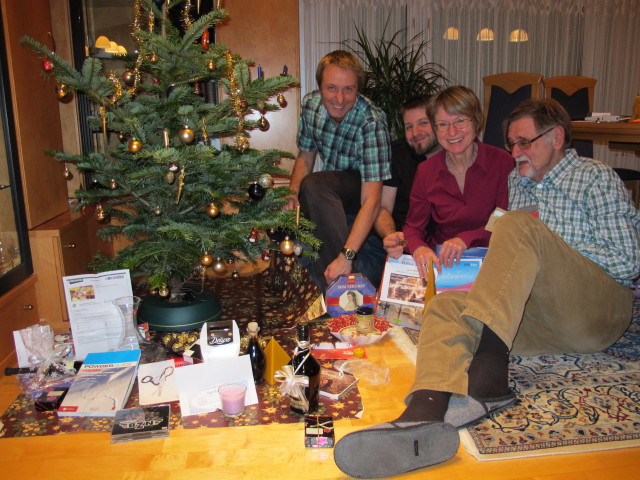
x=144 y=423
x=334 y=384
x=402 y=291
x=348 y=292
x=102 y=385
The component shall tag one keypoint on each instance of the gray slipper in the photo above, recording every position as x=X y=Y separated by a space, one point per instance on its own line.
x=394 y=448
x=463 y=411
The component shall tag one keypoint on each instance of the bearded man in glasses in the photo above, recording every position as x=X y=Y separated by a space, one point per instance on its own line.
x=557 y=281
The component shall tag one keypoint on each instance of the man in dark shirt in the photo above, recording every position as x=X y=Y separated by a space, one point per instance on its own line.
x=406 y=154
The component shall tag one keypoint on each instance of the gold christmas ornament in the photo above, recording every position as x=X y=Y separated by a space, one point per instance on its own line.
x=67 y=173
x=134 y=145
x=242 y=143
x=281 y=100
x=157 y=210
x=263 y=124
x=265 y=180
x=121 y=137
x=62 y=90
x=211 y=66
x=112 y=184
x=287 y=246
x=206 y=259
x=170 y=177
x=163 y=291
x=213 y=211
x=153 y=58
x=186 y=135
x=128 y=78
x=219 y=266
x=235 y=274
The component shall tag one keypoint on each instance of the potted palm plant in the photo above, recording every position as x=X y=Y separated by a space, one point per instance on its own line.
x=395 y=71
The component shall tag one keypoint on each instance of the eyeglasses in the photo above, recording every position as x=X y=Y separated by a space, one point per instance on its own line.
x=460 y=124
x=525 y=144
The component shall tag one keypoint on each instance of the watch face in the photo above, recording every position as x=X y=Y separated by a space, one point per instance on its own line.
x=349 y=254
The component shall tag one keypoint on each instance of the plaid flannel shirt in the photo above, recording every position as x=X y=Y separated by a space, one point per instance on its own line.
x=585 y=202
x=359 y=142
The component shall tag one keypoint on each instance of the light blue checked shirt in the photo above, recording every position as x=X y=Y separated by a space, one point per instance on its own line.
x=359 y=142
x=585 y=202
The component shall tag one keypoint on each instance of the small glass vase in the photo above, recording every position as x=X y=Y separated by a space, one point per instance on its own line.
x=131 y=337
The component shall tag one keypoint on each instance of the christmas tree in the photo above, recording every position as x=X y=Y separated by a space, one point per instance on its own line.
x=184 y=203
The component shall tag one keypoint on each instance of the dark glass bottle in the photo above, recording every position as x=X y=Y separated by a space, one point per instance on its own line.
x=303 y=363
x=256 y=355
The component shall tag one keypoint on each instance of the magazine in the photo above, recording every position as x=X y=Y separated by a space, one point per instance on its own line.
x=145 y=423
x=402 y=291
x=102 y=385
x=334 y=384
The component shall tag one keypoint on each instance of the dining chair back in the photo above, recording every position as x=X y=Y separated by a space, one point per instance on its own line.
x=502 y=93
x=575 y=94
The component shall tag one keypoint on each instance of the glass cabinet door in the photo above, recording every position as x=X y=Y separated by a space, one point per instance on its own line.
x=15 y=258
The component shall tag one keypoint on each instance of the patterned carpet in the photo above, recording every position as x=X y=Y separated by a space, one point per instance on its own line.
x=566 y=403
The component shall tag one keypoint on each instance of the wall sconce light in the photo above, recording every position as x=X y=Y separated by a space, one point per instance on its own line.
x=518 y=35
x=451 y=33
x=485 y=35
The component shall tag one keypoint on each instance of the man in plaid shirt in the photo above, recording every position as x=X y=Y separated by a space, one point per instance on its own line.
x=557 y=281
x=349 y=134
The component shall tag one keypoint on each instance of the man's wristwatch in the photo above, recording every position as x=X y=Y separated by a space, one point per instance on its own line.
x=348 y=253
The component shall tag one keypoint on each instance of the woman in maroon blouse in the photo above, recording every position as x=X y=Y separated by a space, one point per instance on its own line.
x=456 y=189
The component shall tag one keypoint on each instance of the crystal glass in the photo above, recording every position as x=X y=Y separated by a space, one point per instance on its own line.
x=128 y=310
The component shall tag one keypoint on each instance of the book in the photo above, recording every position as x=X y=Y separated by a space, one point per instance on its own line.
x=144 y=423
x=334 y=384
x=402 y=291
x=102 y=385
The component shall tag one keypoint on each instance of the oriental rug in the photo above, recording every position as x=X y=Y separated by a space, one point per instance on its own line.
x=276 y=298
x=566 y=403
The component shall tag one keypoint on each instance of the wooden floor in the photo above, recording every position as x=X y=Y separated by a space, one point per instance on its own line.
x=274 y=451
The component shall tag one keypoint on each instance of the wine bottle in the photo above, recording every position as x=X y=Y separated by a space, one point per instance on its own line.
x=256 y=355
x=303 y=363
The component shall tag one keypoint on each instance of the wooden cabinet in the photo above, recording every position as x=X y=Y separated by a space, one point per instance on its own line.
x=60 y=247
x=18 y=309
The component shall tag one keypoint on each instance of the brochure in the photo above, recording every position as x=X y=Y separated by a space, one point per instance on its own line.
x=402 y=291
x=94 y=319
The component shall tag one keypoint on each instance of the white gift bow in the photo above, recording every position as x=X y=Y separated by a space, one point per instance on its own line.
x=291 y=384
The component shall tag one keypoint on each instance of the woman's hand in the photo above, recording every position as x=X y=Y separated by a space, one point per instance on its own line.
x=423 y=257
x=451 y=251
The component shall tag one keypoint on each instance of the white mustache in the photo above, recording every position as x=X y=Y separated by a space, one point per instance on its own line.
x=521 y=159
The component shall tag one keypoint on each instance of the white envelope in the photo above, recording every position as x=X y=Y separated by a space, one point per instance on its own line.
x=198 y=384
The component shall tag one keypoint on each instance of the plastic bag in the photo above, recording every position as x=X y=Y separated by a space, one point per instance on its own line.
x=365 y=370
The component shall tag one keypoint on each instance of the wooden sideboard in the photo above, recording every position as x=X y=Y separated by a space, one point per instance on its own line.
x=624 y=132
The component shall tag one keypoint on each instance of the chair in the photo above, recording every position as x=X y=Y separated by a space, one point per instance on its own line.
x=575 y=94
x=631 y=179
x=502 y=93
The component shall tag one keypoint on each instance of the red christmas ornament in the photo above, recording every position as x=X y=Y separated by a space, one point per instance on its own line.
x=266 y=255
x=47 y=65
x=253 y=238
x=204 y=41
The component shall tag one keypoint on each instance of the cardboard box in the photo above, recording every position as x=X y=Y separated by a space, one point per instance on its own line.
x=348 y=292
x=318 y=431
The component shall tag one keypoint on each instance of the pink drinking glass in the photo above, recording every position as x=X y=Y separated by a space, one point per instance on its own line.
x=232 y=398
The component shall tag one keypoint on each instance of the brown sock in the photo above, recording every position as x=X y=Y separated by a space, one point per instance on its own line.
x=426 y=406
x=489 y=369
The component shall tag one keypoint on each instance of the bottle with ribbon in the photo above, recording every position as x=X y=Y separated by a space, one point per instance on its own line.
x=300 y=380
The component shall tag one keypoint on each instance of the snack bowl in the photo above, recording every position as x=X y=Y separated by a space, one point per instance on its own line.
x=343 y=328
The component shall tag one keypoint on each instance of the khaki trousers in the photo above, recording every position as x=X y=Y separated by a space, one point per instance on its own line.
x=535 y=292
